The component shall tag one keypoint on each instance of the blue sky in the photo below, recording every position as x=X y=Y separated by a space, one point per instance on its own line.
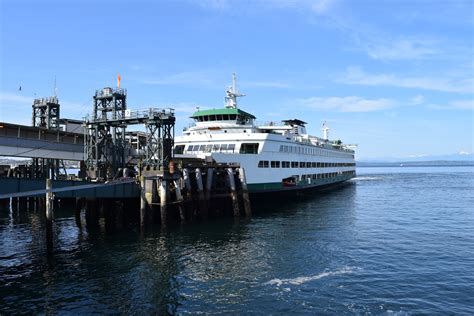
x=395 y=77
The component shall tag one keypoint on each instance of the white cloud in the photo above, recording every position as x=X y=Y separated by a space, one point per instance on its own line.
x=383 y=48
x=317 y=6
x=417 y=100
x=454 y=105
x=266 y=84
x=355 y=75
x=463 y=104
x=346 y=104
x=195 y=78
x=7 y=98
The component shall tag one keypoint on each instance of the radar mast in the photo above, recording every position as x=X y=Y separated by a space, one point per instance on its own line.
x=232 y=94
x=325 y=131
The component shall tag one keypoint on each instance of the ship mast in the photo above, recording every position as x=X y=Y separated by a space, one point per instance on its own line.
x=325 y=131
x=232 y=94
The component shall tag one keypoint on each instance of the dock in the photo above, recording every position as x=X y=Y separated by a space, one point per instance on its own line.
x=125 y=177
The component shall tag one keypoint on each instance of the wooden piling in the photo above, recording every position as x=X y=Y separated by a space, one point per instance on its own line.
x=245 y=193
x=179 y=199
x=163 y=201
x=209 y=179
x=200 y=189
x=188 y=196
x=49 y=216
x=77 y=211
x=233 y=192
x=49 y=200
x=143 y=202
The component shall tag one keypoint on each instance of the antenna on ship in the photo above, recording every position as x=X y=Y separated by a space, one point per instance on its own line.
x=325 y=131
x=232 y=94
x=55 y=88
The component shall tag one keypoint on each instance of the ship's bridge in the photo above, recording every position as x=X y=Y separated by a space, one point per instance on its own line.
x=215 y=119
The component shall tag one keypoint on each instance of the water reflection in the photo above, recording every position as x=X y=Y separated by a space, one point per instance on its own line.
x=216 y=265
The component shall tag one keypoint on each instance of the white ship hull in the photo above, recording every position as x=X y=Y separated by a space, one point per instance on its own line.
x=275 y=156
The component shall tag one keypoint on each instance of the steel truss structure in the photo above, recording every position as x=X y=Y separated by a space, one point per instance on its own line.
x=107 y=147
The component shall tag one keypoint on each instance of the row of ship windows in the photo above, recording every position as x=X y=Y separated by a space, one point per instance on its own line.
x=310 y=151
x=245 y=148
x=326 y=175
x=302 y=164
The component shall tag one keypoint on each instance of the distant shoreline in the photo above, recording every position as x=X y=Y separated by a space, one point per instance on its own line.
x=434 y=163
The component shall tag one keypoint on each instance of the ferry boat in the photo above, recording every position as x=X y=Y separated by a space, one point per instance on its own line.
x=276 y=156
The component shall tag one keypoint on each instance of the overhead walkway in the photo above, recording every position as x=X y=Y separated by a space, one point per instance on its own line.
x=35 y=142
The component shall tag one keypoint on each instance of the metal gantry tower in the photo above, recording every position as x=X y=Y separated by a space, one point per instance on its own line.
x=104 y=140
x=45 y=114
x=107 y=147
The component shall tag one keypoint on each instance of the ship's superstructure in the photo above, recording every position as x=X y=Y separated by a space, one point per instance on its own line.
x=276 y=155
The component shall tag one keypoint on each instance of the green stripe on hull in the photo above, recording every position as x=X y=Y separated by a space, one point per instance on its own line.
x=274 y=186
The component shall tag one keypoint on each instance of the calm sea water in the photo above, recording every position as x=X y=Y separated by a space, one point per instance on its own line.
x=393 y=240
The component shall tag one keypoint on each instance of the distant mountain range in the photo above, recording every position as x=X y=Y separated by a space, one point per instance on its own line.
x=460 y=159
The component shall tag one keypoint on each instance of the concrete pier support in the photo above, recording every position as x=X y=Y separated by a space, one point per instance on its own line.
x=245 y=193
x=233 y=192
x=200 y=189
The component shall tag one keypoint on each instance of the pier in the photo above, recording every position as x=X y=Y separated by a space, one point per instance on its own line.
x=124 y=177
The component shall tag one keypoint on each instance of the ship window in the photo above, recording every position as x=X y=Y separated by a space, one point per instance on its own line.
x=225 y=117
x=215 y=147
x=219 y=117
x=302 y=164
x=232 y=116
x=281 y=148
x=275 y=164
x=249 y=148
x=263 y=164
x=202 y=147
x=294 y=164
x=313 y=165
x=179 y=149
x=224 y=147
x=206 y=118
x=208 y=148
x=231 y=147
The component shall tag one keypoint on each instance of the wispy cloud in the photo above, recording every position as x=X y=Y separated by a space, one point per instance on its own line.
x=346 y=104
x=383 y=48
x=266 y=84
x=7 y=98
x=417 y=100
x=355 y=75
x=454 y=105
x=194 y=78
x=316 y=6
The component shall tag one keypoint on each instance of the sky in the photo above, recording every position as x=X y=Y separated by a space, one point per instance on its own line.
x=394 y=77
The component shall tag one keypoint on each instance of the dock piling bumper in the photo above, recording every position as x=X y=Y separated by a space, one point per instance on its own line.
x=200 y=188
x=209 y=180
x=49 y=200
x=233 y=192
x=179 y=199
x=163 y=201
x=143 y=202
x=245 y=192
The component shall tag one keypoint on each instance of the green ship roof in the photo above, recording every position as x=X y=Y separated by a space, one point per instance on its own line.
x=221 y=112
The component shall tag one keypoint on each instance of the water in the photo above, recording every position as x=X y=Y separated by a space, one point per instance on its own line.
x=394 y=240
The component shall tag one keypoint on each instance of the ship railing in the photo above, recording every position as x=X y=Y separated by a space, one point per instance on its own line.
x=268 y=123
